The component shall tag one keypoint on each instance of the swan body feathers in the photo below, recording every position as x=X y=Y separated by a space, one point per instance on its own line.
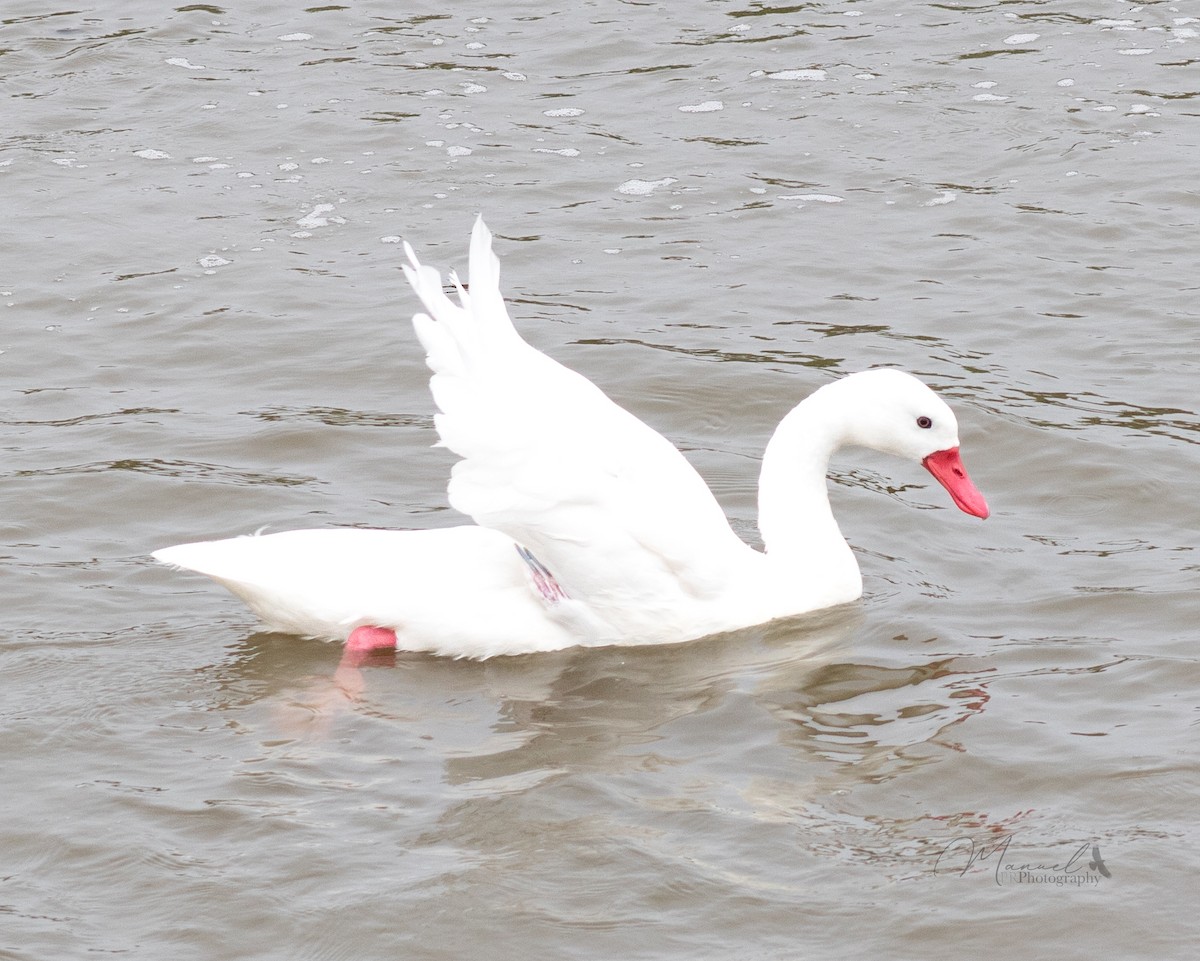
x=592 y=528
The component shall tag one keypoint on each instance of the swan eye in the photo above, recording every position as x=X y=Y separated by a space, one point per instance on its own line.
x=924 y=422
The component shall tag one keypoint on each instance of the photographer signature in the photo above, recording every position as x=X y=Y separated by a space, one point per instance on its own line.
x=1078 y=867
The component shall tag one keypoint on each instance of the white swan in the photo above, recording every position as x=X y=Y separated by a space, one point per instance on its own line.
x=594 y=529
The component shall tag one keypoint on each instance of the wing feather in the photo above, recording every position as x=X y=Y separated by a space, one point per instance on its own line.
x=610 y=506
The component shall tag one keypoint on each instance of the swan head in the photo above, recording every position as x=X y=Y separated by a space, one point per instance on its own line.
x=891 y=411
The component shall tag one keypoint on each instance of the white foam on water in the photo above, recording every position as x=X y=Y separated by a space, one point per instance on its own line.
x=316 y=217
x=798 y=75
x=644 y=188
x=814 y=198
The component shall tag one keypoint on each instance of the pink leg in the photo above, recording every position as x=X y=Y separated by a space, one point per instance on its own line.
x=327 y=699
x=364 y=640
x=364 y=643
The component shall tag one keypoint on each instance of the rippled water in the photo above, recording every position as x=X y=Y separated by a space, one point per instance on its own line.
x=710 y=209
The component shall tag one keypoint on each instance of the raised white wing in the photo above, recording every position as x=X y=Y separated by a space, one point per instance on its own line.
x=613 y=510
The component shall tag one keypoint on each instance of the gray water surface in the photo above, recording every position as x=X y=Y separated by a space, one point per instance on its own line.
x=710 y=209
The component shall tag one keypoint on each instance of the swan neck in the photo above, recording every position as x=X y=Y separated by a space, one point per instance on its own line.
x=794 y=515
